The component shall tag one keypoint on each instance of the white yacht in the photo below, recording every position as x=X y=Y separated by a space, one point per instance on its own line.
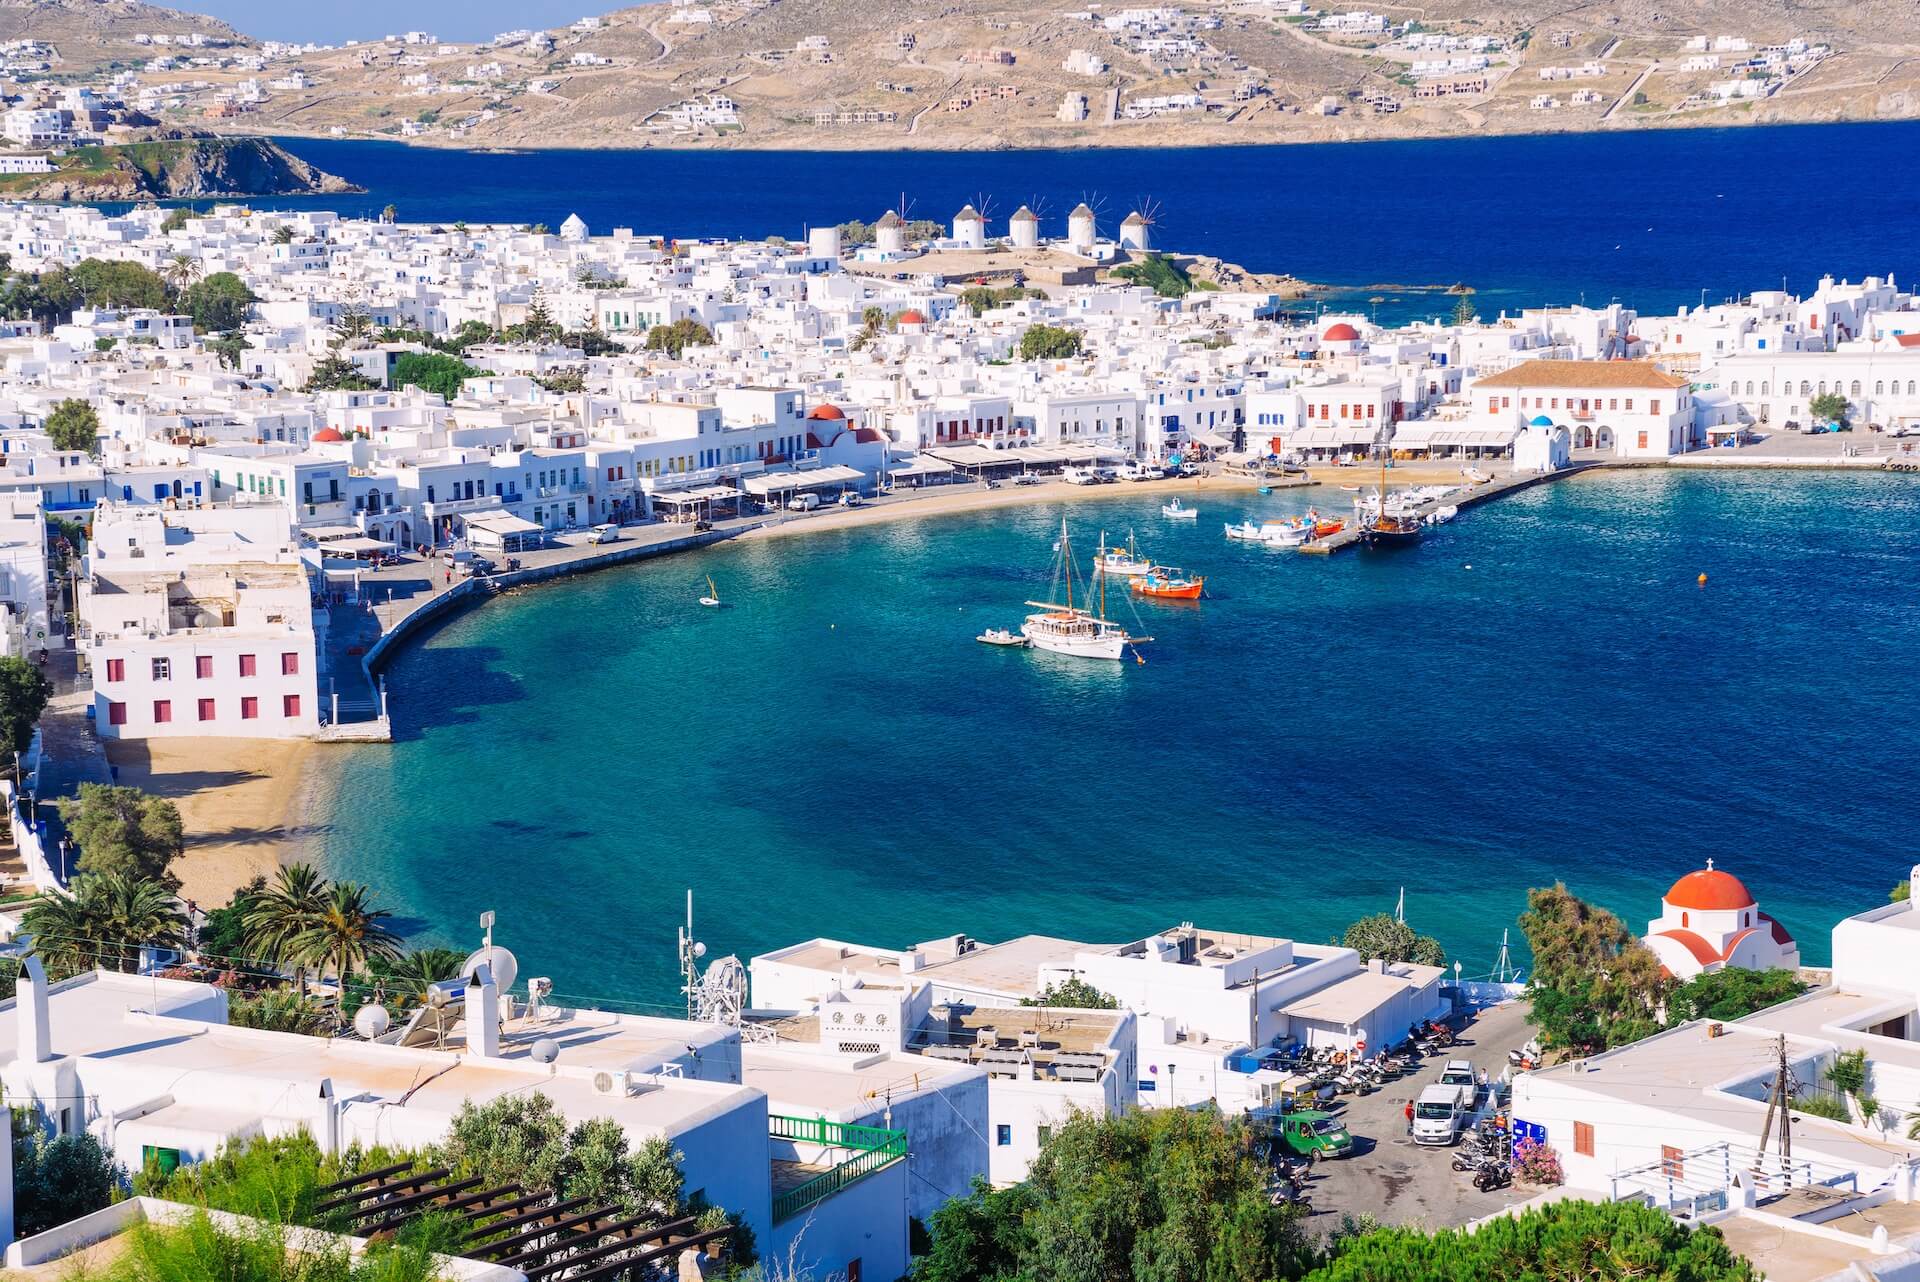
x=1075 y=630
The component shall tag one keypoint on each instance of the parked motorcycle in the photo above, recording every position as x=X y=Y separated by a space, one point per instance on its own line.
x=1494 y=1175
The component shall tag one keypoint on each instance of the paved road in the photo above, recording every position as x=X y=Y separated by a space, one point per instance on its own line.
x=1396 y=1181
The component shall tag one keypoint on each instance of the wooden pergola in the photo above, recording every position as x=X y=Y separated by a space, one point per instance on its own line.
x=544 y=1236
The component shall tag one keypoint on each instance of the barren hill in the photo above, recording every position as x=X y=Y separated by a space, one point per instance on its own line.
x=1057 y=73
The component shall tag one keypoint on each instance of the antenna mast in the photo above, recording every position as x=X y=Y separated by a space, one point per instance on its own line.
x=691 y=950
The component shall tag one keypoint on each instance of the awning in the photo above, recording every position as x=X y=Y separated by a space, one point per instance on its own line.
x=502 y=523
x=328 y=533
x=1212 y=440
x=921 y=465
x=819 y=478
x=701 y=494
x=353 y=546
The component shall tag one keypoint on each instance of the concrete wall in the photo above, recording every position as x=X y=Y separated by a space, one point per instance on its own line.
x=865 y=1222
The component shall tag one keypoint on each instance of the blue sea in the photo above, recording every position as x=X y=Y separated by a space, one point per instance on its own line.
x=1541 y=691
x=1656 y=219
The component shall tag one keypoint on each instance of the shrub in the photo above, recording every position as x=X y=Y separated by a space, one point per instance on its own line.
x=1536 y=1162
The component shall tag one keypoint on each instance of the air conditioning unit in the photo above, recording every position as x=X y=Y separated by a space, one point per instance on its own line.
x=605 y=1083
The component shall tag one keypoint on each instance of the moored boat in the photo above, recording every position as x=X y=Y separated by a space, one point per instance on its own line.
x=1169 y=584
x=1125 y=562
x=1179 y=512
x=1382 y=527
x=1001 y=636
x=1074 y=630
x=1244 y=532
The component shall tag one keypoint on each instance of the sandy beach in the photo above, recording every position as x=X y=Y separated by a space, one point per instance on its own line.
x=1225 y=491
x=241 y=801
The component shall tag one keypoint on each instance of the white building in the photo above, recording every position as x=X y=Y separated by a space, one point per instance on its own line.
x=1631 y=409
x=23 y=574
x=1676 y=1119
x=198 y=622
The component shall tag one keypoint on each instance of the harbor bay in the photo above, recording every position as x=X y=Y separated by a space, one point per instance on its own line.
x=1543 y=690
x=1525 y=222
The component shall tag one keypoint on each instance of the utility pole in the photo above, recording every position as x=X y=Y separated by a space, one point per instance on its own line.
x=1779 y=1099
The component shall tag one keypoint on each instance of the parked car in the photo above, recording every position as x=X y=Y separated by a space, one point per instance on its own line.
x=1313 y=1134
x=604 y=534
x=849 y=499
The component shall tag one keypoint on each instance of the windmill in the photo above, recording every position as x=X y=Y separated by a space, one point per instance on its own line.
x=1137 y=231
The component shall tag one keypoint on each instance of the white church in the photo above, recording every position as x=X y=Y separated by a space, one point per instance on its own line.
x=1709 y=921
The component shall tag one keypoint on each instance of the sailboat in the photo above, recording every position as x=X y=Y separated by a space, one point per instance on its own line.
x=1075 y=630
x=1381 y=529
x=712 y=599
x=1122 y=561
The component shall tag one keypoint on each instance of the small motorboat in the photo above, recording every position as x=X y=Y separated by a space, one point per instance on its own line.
x=1172 y=585
x=1265 y=489
x=712 y=599
x=1179 y=512
x=1001 y=636
x=1122 y=562
x=1321 y=529
x=1244 y=532
x=1286 y=534
x=1441 y=515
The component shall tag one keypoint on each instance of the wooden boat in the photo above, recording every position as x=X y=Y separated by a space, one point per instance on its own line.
x=1380 y=528
x=1244 y=532
x=1179 y=512
x=1075 y=630
x=1125 y=562
x=1321 y=529
x=1171 y=585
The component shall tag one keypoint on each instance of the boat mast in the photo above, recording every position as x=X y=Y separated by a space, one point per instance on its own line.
x=1066 y=558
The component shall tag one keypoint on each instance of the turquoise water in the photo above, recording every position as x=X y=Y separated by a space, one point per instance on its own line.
x=833 y=754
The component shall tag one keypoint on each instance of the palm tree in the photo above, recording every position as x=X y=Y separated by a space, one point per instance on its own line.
x=355 y=323
x=107 y=920
x=181 y=270
x=283 y=235
x=413 y=974
x=282 y=913
x=348 y=933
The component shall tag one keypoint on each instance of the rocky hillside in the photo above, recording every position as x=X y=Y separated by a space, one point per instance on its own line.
x=88 y=34
x=178 y=168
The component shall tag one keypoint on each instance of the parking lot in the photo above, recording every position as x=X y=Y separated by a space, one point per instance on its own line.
x=1396 y=1181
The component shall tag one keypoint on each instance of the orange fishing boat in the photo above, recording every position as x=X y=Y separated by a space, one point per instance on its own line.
x=1321 y=529
x=1173 y=585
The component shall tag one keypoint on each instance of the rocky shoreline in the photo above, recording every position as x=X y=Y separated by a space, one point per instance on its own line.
x=178 y=167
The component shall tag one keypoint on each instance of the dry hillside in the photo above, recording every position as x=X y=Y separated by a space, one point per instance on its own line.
x=994 y=73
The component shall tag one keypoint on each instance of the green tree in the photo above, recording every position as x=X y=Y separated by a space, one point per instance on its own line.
x=1560 y=1242
x=1901 y=892
x=335 y=373
x=123 y=830
x=563 y=381
x=1074 y=993
x=1731 y=994
x=1049 y=343
x=407 y=979
x=229 y=347
x=221 y=939
x=355 y=324
x=1159 y=273
x=280 y=1010
x=24 y=691
x=390 y=214
x=1159 y=1195
x=432 y=372
x=181 y=270
x=591 y=342
x=1463 y=311
x=345 y=935
x=676 y=338
x=105 y=922
x=1830 y=407
x=1594 y=985
x=283 y=911
x=74 y=425
x=117 y=284
x=57 y=1180
x=1383 y=935
x=221 y=301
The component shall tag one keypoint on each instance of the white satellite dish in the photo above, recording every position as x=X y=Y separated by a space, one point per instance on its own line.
x=502 y=963
x=371 y=1021
x=545 y=1051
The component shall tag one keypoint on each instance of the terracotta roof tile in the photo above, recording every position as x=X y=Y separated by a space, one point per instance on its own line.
x=1553 y=373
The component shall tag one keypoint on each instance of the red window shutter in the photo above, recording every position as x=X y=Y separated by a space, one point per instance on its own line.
x=116 y=714
x=1583 y=1138
x=290 y=705
x=206 y=709
x=289 y=664
x=162 y=711
x=116 y=670
x=247 y=665
x=249 y=708
x=203 y=666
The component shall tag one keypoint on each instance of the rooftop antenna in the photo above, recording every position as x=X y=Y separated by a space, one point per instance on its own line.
x=1400 y=912
x=691 y=949
x=1503 y=969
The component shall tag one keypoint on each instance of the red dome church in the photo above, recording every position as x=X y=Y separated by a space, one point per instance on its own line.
x=1709 y=921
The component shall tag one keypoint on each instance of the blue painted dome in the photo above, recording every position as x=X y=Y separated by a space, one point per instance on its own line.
x=1541 y=420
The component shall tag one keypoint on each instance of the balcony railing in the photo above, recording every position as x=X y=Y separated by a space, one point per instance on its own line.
x=874 y=1148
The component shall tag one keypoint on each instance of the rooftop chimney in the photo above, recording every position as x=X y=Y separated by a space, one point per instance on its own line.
x=30 y=997
x=483 y=1012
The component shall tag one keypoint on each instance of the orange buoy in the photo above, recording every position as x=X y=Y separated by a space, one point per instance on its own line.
x=1703 y=580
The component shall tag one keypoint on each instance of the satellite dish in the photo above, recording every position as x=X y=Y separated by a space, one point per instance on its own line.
x=699 y=949
x=546 y=1050
x=497 y=959
x=371 y=1021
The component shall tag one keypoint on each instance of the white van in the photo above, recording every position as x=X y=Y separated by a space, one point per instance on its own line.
x=604 y=534
x=1439 y=1115
x=803 y=503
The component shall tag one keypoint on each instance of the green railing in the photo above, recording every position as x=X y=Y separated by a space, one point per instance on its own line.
x=874 y=1148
